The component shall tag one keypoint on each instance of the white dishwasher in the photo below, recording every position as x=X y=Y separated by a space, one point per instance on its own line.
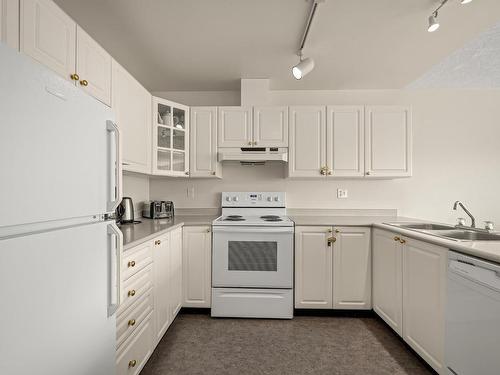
x=472 y=316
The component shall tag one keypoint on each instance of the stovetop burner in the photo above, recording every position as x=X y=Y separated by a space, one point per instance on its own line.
x=270 y=217
x=273 y=219
x=234 y=218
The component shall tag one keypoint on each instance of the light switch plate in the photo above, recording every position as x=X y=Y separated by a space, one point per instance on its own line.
x=341 y=193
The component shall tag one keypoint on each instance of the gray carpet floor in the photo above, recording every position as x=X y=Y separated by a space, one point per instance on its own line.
x=197 y=344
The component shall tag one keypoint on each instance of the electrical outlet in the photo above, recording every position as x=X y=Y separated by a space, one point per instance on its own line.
x=341 y=193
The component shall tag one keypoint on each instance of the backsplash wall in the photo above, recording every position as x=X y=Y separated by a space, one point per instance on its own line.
x=136 y=186
x=454 y=133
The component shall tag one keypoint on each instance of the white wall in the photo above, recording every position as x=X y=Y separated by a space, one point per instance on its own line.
x=201 y=97
x=136 y=186
x=456 y=135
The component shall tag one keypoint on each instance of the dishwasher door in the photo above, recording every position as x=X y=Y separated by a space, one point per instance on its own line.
x=472 y=316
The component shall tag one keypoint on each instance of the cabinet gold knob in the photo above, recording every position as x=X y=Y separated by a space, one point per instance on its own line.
x=213 y=173
x=131 y=263
x=132 y=363
x=255 y=143
x=337 y=231
x=329 y=172
x=84 y=82
x=397 y=238
x=330 y=231
x=131 y=293
x=367 y=173
x=208 y=230
x=158 y=242
x=250 y=143
x=402 y=241
x=186 y=173
x=323 y=170
x=131 y=322
x=75 y=77
x=331 y=240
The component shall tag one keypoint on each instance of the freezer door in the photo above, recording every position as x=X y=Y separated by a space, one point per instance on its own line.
x=59 y=151
x=58 y=289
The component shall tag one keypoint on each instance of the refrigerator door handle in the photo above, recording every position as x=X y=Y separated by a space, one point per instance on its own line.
x=115 y=167
x=115 y=249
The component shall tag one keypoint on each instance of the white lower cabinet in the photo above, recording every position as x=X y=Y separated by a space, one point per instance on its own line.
x=352 y=268
x=332 y=267
x=313 y=268
x=175 y=272
x=424 y=299
x=135 y=352
x=387 y=269
x=151 y=298
x=196 y=264
x=161 y=286
x=409 y=292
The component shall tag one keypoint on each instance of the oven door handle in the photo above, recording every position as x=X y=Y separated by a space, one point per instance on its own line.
x=249 y=229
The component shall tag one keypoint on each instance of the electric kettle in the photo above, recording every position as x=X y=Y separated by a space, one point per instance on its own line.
x=125 y=211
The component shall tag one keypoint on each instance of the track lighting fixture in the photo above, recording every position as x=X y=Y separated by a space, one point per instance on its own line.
x=306 y=65
x=433 y=23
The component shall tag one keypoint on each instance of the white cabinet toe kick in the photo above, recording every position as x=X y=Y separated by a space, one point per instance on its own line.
x=252 y=303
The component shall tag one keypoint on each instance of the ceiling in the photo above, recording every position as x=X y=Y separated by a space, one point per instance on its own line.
x=210 y=44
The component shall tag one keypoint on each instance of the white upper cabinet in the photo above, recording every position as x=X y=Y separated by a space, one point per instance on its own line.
x=388 y=142
x=132 y=106
x=352 y=264
x=345 y=141
x=48 y=35
x=9 y=23
x=307 y=146
x=270 y=126
x=170 y=138
x=424 y=300
x=235 y=127
x=93 y=65
x=313 y=268
x=203 y=143
x=387 y=268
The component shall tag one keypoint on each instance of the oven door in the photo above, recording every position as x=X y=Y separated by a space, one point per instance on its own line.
x=252 y=257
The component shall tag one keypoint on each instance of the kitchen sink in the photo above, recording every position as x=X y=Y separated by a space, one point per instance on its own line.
x=466 y=235
x=427 y=226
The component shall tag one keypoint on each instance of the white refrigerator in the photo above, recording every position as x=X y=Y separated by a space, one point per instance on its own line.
x=59 y=254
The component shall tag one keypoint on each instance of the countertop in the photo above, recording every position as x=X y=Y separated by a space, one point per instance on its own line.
x=489 y=250
x=134 y=234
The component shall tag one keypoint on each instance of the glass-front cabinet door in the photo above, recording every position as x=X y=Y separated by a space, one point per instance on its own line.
x=170 y=138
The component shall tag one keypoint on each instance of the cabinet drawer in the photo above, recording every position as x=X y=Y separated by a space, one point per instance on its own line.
x=136 y=287
x=136 y=350
x=132 y=318
x=136 y=259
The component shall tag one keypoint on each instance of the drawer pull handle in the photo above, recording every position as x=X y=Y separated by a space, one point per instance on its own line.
x=131 y=293
x=402 y=241
x=131 y=263
x=397 y=238
x=132 y=363
x=131 y=322
x=158 y=242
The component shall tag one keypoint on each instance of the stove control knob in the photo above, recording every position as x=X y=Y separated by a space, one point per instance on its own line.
x=235 y=199
x=276 y=199
x=228 y=198
x=269 y=199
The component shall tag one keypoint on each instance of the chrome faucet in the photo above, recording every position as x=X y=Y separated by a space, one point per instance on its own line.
x=473 y=220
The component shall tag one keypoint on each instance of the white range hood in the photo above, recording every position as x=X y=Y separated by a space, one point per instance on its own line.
x=253 y=154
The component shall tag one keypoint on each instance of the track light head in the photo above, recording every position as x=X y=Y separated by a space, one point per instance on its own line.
x=303 y=68
x=433 y=23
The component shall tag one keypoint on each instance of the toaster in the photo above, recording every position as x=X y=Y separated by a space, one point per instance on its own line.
x=158 y=209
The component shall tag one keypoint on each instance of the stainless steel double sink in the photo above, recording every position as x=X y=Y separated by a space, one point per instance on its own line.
x=449 y=232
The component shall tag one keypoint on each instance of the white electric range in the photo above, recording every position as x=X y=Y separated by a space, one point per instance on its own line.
x=252 y=257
